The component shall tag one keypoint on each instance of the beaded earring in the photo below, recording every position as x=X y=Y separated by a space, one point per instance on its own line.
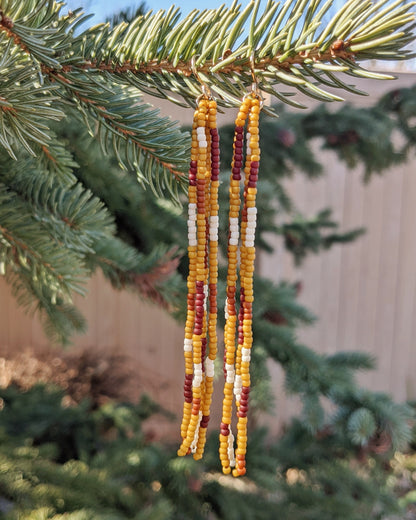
x=237 y=358
x=200 y=344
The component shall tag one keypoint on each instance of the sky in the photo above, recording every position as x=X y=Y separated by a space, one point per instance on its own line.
x=104 y=8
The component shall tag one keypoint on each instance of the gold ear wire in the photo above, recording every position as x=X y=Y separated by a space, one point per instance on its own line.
x=206 y=91
x=255 y=90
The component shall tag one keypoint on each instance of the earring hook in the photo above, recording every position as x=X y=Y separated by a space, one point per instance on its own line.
x=254 y=82
x=206 y=91
x=255 y=91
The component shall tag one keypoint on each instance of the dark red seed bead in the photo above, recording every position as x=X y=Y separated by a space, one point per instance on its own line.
x=238 y=156
x=224 y=426
x=252 y=184
x=241 y=414
x=238 y=144
x=239 y=129
x=238 y=164
x=243 y=409
x=236 y=171
x=188 y=399
x=255 y=164
x=193 y=164
x=245 y=390
x=236 y=177
x=189 y=377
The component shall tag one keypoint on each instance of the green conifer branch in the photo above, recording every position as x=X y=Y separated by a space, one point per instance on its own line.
x=289 y=44
x=95 y=69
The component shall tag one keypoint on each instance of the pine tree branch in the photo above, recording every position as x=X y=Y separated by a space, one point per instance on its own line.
x=290 y=45
x=141 y=139
x=96 y=69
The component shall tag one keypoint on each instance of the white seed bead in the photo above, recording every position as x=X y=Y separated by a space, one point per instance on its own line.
x=245 y=351
x=200 y=130
x=209 y=367
x=230 y=451
x=196 y=383
x=192 y=242
x=251 y=211
x=233 y=242
x=187 y=345
x=233 y=221
x=245 y=358
x=194 y=444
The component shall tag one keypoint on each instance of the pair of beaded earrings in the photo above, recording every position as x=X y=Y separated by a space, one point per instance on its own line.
x=200 y=345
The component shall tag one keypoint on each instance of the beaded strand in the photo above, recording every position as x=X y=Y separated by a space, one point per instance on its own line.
x=237 y=360
x=201 y=320
x=226 y=449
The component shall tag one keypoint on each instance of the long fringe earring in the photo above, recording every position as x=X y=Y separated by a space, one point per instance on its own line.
x=200 y=344
x=242 y=227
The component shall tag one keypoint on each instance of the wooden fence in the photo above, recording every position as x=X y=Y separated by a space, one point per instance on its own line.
x=364 y=293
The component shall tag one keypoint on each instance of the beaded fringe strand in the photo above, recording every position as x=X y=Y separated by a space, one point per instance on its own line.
x=237 y=354
x=201 y=320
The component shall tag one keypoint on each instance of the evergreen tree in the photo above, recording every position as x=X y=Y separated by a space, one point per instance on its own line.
x=65 y=211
